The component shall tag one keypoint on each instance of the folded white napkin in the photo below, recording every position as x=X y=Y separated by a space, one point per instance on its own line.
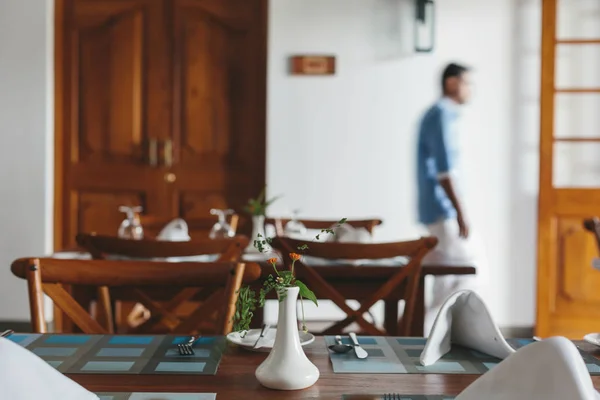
x=175 y=231
x=348 y=234
x=464 y=319
x=550 y=370
x=25 y=376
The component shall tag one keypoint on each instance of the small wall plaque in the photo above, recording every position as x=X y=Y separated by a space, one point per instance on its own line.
x=312 y=65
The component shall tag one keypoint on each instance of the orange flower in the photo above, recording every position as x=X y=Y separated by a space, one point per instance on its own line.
x=295 y=256
x=272 y=260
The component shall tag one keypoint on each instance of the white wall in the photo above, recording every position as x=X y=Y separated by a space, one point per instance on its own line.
x=345 y=145
x=26 y=133
x=337 y=146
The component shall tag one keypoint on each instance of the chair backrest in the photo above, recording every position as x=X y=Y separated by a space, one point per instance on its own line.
x=101 y=246
x=279 y=223
x=410 y=273
x=593 y=225
x=359 y=251
x=198 y=227
x=134 y=280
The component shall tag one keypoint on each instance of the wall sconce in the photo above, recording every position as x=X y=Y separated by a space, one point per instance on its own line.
x=424 y=26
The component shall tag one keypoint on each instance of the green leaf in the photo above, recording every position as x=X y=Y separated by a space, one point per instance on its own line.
x=303 y=247
x=306 y=292
x=342 y=221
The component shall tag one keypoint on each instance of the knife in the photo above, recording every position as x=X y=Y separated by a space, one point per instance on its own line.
x=7 y=333
x=360 y=352
x=263 y=332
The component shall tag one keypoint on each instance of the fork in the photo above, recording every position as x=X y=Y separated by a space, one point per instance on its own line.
x=391 y=396
x=185 y=349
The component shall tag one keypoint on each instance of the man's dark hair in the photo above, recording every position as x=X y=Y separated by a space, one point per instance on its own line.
x=452 y=71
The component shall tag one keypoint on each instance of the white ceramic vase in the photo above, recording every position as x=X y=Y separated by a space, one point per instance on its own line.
x=258 y=228
x=287 y=367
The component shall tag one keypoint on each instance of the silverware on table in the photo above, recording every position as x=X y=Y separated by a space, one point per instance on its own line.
x=360 y=352
x=263 y=332
x=339 y=347
x=185 y=349
x=7 y=333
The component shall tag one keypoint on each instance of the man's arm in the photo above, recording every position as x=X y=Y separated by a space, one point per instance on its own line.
x=439 y=151
x=446 y=183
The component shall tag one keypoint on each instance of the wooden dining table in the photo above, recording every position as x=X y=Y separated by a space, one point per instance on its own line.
x=235 y=379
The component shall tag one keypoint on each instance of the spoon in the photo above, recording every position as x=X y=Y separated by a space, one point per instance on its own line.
x=339 y=347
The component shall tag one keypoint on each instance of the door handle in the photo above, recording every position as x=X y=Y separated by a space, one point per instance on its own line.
x=153 y=152
x=168 y=153
x=170 y=177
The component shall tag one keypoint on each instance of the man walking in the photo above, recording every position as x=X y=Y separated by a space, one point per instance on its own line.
x=440 y=207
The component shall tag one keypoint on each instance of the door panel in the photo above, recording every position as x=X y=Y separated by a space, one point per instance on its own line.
x=108 y=78
x=576 y=115
x=198 y=204
x=578 y=19
x=219 y=132
x=109 y=86
x=568 y=296
x=99 y=211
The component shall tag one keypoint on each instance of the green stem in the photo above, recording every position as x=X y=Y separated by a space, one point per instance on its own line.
x=303 y=318
x=292 y=268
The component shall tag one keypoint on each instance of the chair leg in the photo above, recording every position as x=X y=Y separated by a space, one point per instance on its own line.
x=36 y=298
x=104 y=306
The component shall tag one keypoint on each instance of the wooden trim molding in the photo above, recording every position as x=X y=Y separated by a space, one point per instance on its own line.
x=59 y=125
x=546 y=223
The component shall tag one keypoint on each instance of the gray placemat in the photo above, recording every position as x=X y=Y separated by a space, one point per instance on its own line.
x=402 y=397
x=156 y=396
x=400 y=355
x=124 y=354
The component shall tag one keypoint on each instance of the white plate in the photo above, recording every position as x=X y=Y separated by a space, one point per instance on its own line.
x=255 y=257
x=267 y=342
x=593 y=338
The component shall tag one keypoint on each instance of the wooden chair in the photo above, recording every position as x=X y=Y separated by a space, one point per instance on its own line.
x=279 y=223
x=408 y=275
x=199 y=227
x=131 y=279
x=593 y=225
x=100 y=247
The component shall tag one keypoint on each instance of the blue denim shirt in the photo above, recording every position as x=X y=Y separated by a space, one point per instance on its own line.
x=437 y=154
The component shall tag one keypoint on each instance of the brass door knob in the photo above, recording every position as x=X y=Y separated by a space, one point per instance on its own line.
x=170 y=177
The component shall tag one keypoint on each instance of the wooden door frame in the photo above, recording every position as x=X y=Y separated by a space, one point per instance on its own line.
x=61 y=121
x=546 y=227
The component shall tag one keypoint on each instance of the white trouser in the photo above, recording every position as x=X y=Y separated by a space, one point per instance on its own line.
x=452 y=250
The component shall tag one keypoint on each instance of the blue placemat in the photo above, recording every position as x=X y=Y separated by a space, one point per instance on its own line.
x=156 y=396
x=400 y=355
x=402 y=397
x=114 y=354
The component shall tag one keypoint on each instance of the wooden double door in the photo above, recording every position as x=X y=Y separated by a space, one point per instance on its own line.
x=159 y=103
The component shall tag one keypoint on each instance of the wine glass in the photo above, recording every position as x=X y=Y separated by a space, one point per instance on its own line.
x=221 y=229
x=294 y=227
x=131 y=227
